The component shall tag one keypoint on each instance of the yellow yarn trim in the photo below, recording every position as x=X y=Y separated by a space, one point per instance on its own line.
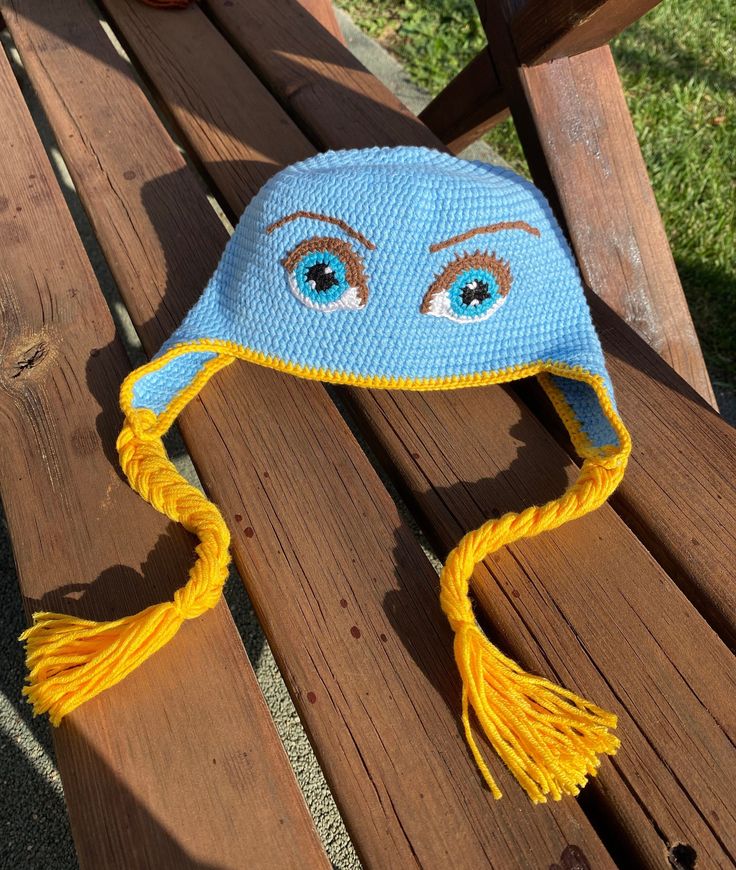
x=228 y=351
x=548 y=737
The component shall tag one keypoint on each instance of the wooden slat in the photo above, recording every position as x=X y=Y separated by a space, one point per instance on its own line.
x=330 y=94
x=590 y=147
x=270 y=145
x=468 y=106
x=474 y=100
x=181 y=764
x=678 y=492
x=433 y=442
x=346 y=597
x=582 y=150
x=547 y=29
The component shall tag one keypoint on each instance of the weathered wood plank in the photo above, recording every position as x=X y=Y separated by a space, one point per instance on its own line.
x=590 y=147
x=346 y=597
x=474 y=101
x=536 y=579
x=548 y=29
x=330 y=94
x=582 y=150
x=468 y=106
x=678 y=494
x=271 y=143
x=182 y=765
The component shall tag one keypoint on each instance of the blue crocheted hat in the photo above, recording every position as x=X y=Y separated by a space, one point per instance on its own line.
x=397 y=267
x=401 y=268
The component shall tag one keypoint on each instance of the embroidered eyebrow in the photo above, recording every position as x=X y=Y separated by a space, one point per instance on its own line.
x=312 y=215
x=491 y=228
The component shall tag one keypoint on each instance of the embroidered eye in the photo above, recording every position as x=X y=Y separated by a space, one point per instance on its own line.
x=326 y=274
x=470 y=288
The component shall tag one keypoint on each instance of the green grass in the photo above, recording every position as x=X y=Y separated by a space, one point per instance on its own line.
x=678 y=66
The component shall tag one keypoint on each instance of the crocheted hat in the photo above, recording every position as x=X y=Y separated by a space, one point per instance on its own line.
x=397 y=268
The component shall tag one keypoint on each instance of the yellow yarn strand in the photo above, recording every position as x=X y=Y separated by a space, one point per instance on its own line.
x=70 y=660
x=548 y=737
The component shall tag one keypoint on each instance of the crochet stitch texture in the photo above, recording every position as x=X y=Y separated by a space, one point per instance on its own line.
x=394 y=268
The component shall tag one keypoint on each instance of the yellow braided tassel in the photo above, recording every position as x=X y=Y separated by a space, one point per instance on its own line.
x=70 y=660
x=548 y=737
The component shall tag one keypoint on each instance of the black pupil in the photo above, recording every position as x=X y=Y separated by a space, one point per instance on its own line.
x=321 y=277
x=475 y=292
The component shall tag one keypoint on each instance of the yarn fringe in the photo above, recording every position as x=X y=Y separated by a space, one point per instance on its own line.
x=550 y=739
x=71 y=660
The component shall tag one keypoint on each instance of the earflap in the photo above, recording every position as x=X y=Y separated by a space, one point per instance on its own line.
x=585 y=404
x=154 y=395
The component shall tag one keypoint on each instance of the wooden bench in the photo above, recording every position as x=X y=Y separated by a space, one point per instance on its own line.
x=180 y=764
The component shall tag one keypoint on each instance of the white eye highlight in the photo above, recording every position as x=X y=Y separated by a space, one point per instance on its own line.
x=350 y=300
x=471 y=288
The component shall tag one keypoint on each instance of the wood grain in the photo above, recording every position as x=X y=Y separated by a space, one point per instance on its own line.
x=344 y=592
x=468 y=106
x=181 y=765
x=592 y=152
x=590 y=587
x=678 y=493
x=474 y=100
x=436 y=447
x=548 y=29
x=582 y=151
x=184 y=39
x=330 y=94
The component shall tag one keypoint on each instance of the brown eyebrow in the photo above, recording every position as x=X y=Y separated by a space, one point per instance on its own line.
x=313 y=215
x=491 y=228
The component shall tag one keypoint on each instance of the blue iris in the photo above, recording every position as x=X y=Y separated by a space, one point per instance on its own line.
x=321 y=277
x=473 y=292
